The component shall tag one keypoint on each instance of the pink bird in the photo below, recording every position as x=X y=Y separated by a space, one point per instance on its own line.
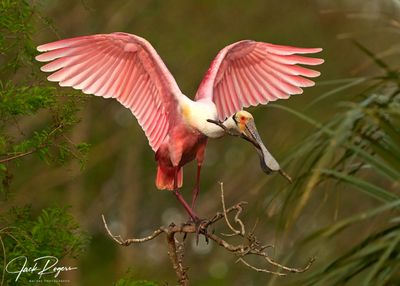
x=126 y=67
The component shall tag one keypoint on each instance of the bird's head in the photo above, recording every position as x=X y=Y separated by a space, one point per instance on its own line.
x=241 y=119
x=244 y=124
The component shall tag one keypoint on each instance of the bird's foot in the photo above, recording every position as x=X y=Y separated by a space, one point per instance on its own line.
x=201 y=228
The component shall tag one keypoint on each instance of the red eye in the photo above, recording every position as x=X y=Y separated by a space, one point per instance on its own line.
x=242 y=118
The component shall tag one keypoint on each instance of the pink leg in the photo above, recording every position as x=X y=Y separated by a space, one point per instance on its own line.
x=189 y=210
x=196 y=189
x=181 y=199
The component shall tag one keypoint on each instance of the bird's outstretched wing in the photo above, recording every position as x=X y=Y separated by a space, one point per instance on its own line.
x=251 y=73
x=118 y=65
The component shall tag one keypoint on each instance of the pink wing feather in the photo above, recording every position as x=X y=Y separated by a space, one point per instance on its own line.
x=251 y=73
x=118 y=65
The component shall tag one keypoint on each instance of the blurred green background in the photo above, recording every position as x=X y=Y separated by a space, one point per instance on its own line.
x=118 y=177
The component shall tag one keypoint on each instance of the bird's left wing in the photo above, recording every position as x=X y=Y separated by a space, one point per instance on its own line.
x=251 y=73
x=119 y=65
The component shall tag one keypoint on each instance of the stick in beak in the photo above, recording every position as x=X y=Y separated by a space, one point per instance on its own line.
x=242 y=125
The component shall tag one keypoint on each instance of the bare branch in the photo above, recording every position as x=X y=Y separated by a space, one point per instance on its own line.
x=118 y=239
x=250 y=245
x=239 y=221
x=290 y=269
x=235 y=231
x=177 y=264
x=19 y=155
x=260 y=269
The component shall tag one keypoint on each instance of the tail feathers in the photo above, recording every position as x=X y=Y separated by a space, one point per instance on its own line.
x=165 y=178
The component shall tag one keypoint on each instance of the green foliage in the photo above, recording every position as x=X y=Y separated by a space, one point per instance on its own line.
x=358 y=149
x=361 y=140
x=375 y=259
x=53 y=232
x=34 y=122
x=24 y=100
x=16 y=29
x=30 y=98
x=50 y=142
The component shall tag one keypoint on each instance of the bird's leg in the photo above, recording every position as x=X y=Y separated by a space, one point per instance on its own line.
x=190 y=212
x=197 y=221
x=180 y=198
x=196 y=189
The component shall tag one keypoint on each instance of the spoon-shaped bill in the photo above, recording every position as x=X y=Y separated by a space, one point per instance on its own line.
x=267 y=161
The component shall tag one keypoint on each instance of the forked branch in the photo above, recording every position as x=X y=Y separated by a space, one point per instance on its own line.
x=250 y=246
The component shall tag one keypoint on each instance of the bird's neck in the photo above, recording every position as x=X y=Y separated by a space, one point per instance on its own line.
x=196 y=113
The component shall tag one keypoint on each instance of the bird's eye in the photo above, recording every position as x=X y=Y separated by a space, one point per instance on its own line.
x=242 y=118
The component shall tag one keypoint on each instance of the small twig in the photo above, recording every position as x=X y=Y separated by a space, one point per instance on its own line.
x=236 y=134
x=118 y=239
x=32 y=150
x=239 y=221
x=260 y=269
x=254 y=227
x=235 y=231
x=285 y=175
x=220 y=215
x=18 y=155
x=290 y=269
x=232 y=248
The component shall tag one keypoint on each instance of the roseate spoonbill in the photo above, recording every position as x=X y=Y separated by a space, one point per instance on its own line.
x=126 y=67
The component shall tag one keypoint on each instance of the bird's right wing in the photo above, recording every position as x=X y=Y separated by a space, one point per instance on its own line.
x=251 y=73
x=122 y=66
